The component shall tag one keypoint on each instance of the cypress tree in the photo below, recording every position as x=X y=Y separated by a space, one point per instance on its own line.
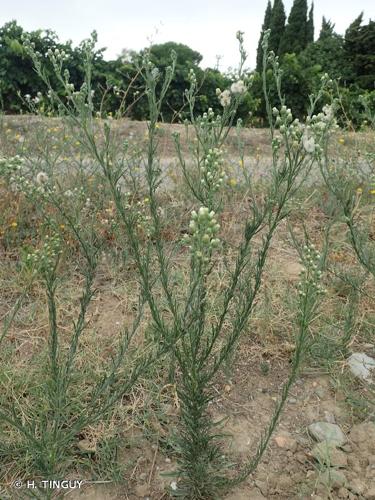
x=266 y=25
x=327 y=29
x=359 y=46
x=310 y=26
x=294 y=39
x=277 y=26
x=326 y=54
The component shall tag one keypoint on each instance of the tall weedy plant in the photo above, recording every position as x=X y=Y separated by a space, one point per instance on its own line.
x=57 y=409
x=351 y=184
x=198 y=347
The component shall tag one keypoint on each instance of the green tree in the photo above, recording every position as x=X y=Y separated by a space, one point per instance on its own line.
x=359 y=47
x=17 y=76
x=187 y=59
x=295 y=35
x=310 y=26
x=327 y=29
x=277 y=26
x=265 y=26
x=327 y=53
x=16 y=70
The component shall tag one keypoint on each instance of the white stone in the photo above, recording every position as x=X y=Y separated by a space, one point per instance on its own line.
x=361 y=365
x=324 y=431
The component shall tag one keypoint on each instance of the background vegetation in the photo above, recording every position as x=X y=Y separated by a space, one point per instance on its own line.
x=303 y=60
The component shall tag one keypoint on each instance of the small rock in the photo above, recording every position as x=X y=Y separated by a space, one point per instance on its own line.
x=142 y=490
x=327 y=453
x=363 y=435
x=329 y=417
x=333 y=478
x=325 y=431
x=292 y=401
x=143 y=476
x=285 y=483
x=87 y=446
x=356 y=486
x=343 y=493
x=286 y=441
x=371 y=460
x=361 y=365
x=370 y=472
x=370 y=494
x=320 y=392
x=347 y=448
x=301 y=457
x=263 y=487
x=354 y=464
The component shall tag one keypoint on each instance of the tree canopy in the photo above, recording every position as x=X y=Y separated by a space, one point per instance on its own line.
x=350 y=58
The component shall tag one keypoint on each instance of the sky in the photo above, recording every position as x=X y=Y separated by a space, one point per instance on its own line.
x=206 y=26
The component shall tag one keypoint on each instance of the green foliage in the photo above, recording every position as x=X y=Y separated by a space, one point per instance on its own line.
x=310 y=26
x=296 y=34
x=359 y=47
x=119 y=88
x=265 y=26
x=327 y=53
x=277 y=26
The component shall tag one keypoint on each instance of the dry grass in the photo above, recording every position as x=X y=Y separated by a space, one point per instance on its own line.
x=135 y=442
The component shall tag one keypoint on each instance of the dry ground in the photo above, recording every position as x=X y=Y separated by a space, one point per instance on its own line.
x=249 y=387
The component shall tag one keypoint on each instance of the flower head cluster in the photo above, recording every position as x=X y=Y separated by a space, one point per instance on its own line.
x=317 y=126
x=225 y=98
x=211 y=169
x=311 y=273
x=57 y=54
x=44 y=258
x=13 y=170
x=203 y=238
x=289 y=128
x=237 y=88
x=10 y=166
x=209 y=122
x=34 y=100
x=308 y=136
x=308 y=142
x=142 y=217
x=41 y=178
x=283 y=117
x=192 y=78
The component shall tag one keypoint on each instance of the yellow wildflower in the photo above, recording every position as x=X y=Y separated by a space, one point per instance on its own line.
x=232 y=182
x=359 y=190
x=372 y=191
x=14 y=224
x=342 y=140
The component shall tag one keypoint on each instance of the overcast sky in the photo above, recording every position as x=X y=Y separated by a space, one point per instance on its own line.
x=206 y=26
